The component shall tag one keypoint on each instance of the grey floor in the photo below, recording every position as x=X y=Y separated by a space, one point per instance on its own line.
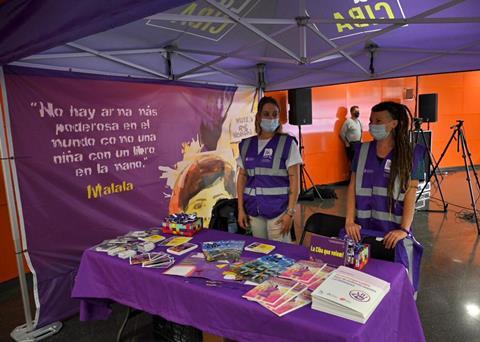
x=448 y=300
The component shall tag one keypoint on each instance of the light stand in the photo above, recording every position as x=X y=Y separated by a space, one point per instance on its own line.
x=459 y=135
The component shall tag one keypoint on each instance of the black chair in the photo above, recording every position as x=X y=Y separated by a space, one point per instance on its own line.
x=323 y=224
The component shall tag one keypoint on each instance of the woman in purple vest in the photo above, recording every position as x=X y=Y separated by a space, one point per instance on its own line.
x=382 y=191
x=268 y=180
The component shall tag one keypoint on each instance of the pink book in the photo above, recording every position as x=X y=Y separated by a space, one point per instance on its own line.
x=302 y=271
x=270 y=291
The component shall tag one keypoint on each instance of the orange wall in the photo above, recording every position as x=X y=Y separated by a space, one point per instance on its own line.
x=457 y=100
x=324 y=153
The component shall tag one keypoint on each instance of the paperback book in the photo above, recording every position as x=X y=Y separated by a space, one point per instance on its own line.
x=350 y=294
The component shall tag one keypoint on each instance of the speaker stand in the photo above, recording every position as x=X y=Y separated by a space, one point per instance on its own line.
x=304 y=174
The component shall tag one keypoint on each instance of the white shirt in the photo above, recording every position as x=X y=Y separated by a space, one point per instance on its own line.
x=351 y=130
x=294 y=156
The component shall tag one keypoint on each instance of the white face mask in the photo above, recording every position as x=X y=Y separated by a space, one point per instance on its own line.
x=269 y=125
x=379 y=132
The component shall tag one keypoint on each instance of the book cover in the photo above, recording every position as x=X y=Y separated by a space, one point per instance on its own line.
x=350 y=294
x=153 y=238
x=303 y=270
x=229 y=250
x=258 y=247
x=271 y=291
x=182 y=249
x=261 y=269
x=175 y=241
x=290 y=305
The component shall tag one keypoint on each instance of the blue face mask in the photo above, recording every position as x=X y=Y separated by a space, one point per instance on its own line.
x=269 y=125
x=379 y=132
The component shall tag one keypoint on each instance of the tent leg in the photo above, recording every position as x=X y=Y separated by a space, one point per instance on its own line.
x=21 y=333
x=24 y=332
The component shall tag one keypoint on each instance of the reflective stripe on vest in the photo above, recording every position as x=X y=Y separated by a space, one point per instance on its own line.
x=266 y=191
x=379 y=215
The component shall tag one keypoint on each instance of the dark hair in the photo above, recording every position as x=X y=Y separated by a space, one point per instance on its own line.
x=263 y=101
x=402 y=151
x=352 y=109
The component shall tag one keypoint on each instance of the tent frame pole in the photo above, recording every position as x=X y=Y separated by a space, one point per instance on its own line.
x=285 y=21
x=386 y=29
x=227 y=55
x=255 y=30
x=26 y=331
x=228 y=73
x=117 y=60
x=429 y=58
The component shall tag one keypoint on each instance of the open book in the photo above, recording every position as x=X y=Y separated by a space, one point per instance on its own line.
x=350 y=294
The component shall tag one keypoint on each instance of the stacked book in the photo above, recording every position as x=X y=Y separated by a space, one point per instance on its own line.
x=229 y=250
x=261 y=269
x=350 y=294
x=280 y=296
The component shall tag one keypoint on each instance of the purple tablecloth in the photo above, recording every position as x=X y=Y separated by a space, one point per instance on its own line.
x=222 y=311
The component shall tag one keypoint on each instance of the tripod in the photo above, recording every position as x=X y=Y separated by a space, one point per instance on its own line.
x=459 y=135
x=431 y=161
x=304 y=173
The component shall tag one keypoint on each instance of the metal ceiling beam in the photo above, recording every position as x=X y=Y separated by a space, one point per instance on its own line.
x=156 y=50
x=255 y=30
x=88 y=54
x=118 y=60
x=238 y=55
x=302 y=21
x=201 y=74
x=388 y=29
x=79 y=70
x=335 y=46
x=428 y=51
x=309 y=70
x=399 y=21
x=242 y=48
x=288 y=21
x=226 y=72
x=426 y=59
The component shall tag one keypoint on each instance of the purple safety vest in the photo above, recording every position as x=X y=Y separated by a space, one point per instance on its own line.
x=372 y=204
x=268 y=185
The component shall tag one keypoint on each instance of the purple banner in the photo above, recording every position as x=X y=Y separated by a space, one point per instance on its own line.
x=97 y=158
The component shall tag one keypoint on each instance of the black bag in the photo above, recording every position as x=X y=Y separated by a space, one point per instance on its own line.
x=221 y=212
x=324 y=190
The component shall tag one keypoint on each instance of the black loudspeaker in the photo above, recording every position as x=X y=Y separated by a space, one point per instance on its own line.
x=428 y=107
x=300 y=101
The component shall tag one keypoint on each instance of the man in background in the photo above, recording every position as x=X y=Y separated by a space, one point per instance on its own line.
x=351 y=132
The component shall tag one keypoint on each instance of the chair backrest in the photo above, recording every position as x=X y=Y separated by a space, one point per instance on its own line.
x=221 y=212
x=325 y=224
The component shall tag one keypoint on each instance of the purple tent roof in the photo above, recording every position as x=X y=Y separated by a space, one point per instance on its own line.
x=205 y=42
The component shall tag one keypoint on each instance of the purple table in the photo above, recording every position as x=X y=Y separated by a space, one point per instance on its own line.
x=102 y=279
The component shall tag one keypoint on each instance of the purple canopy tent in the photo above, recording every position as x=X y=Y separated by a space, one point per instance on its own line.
x=297 y=43
x=269 y=44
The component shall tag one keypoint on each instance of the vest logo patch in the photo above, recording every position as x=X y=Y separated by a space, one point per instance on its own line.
x=268 y=153
x=388 y=163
